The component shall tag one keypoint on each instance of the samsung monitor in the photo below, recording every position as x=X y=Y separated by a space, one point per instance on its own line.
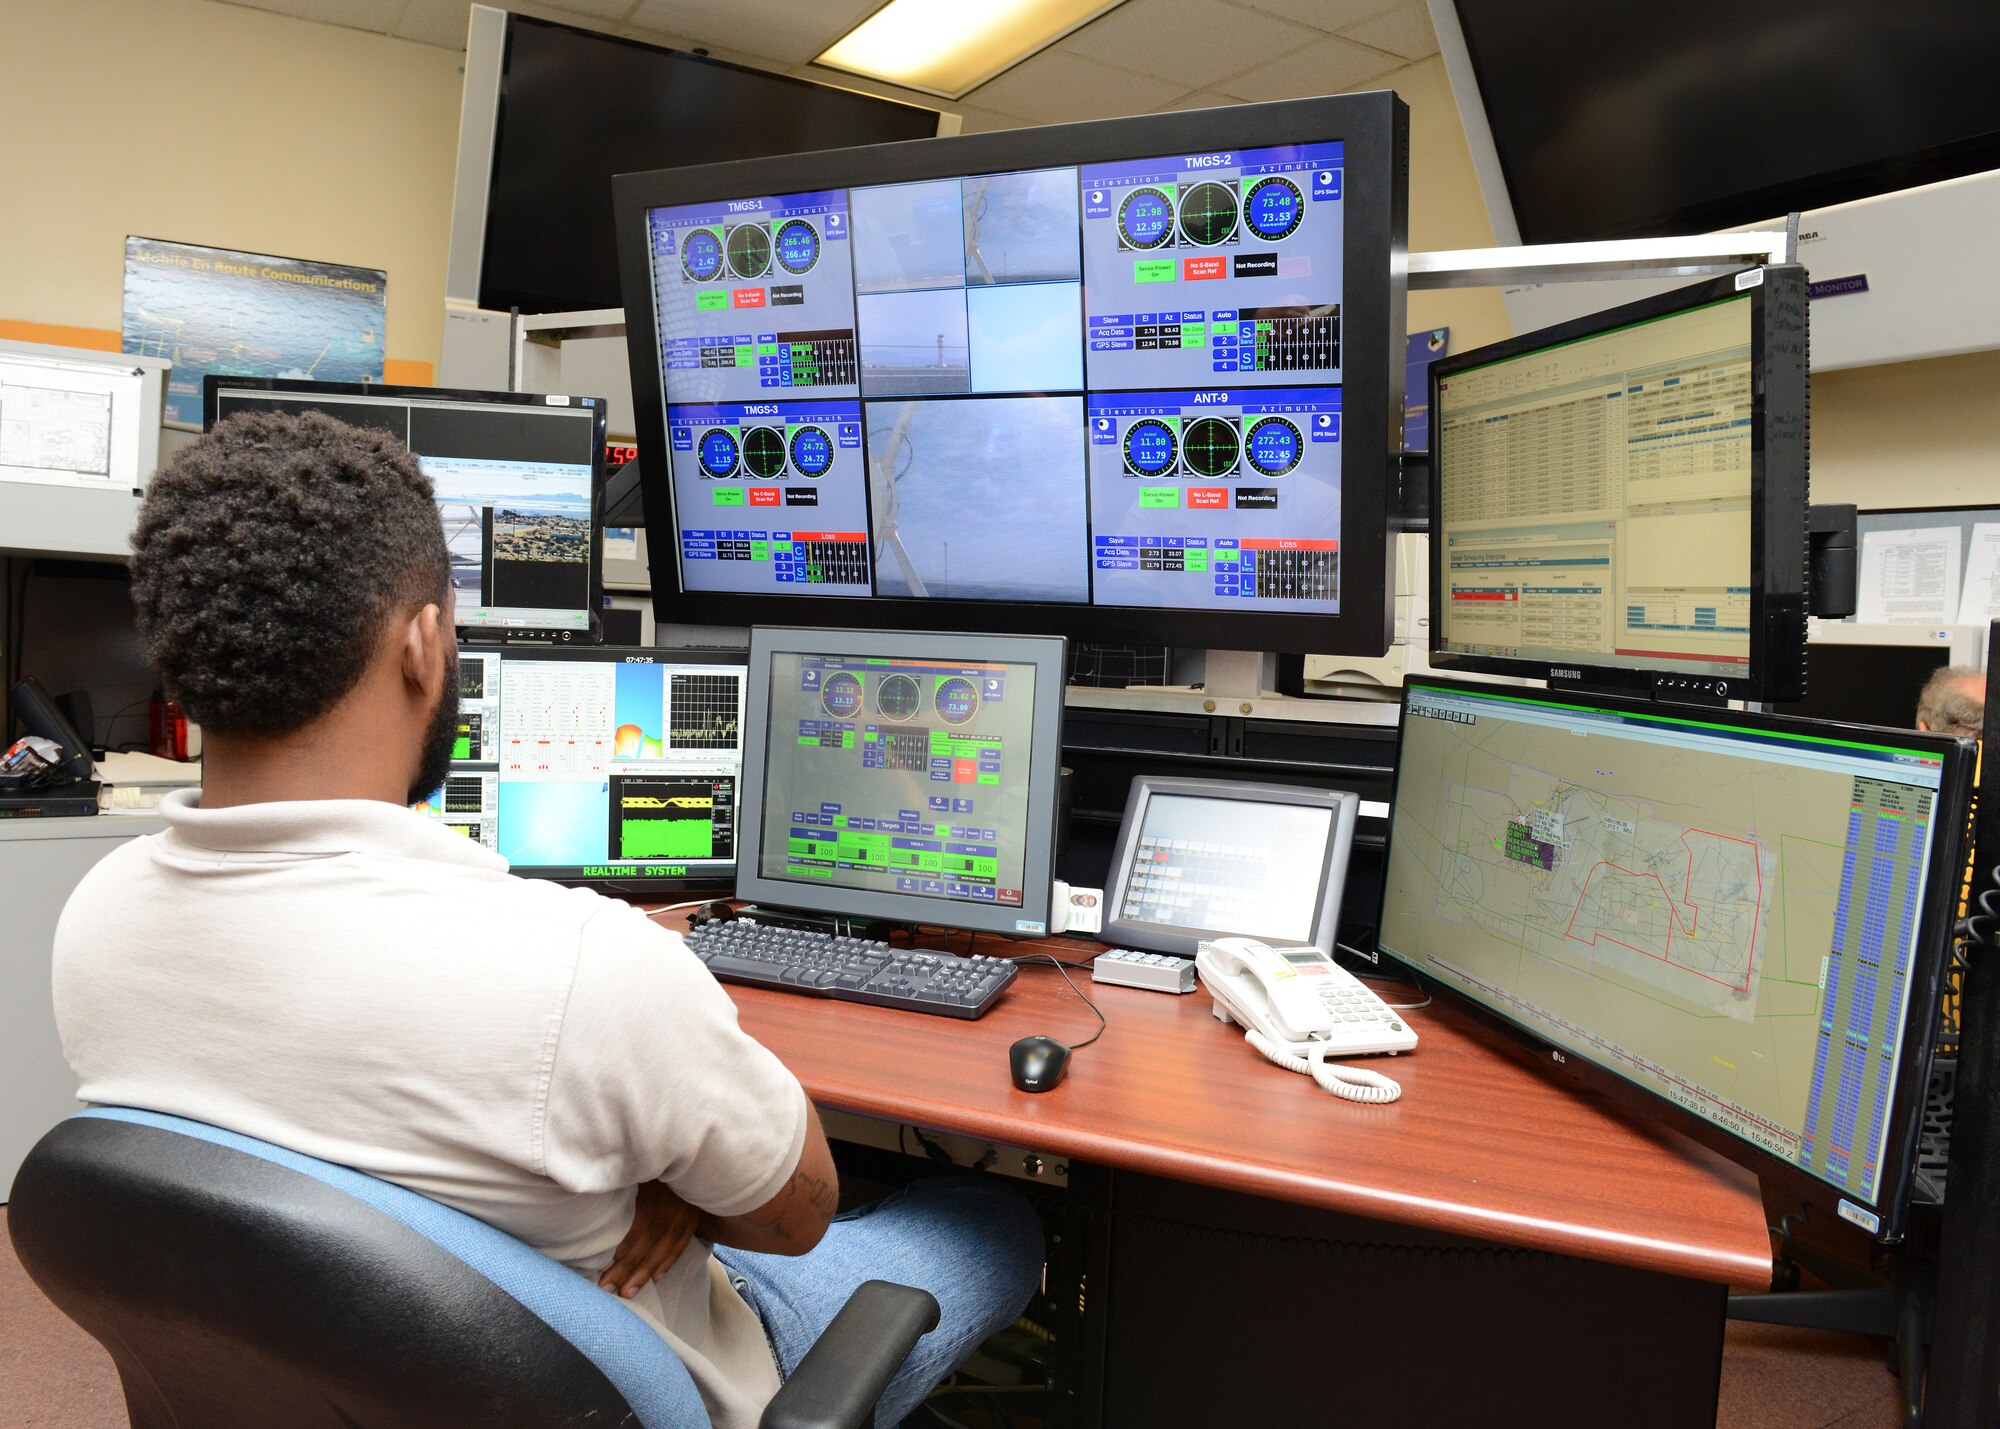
x=903 y=777
x=1734 y=922
x=1620 y=501
x=605 y=766
x=1128 y=381
x=1213 y=858
x=517 y=475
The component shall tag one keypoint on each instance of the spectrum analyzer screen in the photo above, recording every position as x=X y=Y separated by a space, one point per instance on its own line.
x=597 y=764
x=898 y=776
x=1115 y=384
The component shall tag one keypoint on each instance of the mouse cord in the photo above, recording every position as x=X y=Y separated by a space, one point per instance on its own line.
x=678 y=907
x=1063 y=968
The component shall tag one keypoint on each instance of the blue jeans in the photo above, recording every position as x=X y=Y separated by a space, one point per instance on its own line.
x=973 y=1243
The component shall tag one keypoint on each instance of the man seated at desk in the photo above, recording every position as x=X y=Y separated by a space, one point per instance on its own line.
x=1953 y=701
x=302 y=958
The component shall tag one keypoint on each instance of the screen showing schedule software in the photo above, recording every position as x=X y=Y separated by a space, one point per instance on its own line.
x=1724 y=915
x=1115 y=384
x=898 y=776
x=1595 y=498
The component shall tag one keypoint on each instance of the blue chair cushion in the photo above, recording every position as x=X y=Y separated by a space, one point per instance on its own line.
x=602 y=1328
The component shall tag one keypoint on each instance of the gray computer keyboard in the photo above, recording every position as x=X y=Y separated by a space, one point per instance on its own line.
x=850 y=969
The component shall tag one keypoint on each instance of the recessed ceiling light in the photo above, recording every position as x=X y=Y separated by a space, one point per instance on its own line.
x=951 y=47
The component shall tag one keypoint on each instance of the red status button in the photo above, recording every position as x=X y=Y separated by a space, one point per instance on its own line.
x=747 y=298
x=1209 y=498
x=1194 y=270
x=765 y=496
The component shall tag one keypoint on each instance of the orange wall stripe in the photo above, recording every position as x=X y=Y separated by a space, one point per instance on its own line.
x=400 y=371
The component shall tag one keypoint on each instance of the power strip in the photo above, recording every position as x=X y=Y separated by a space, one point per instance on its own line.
x=1156 y=972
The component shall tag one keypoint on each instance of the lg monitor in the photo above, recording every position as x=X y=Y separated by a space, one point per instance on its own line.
x=1212 y=858
x=518 y=476
x=1130 y=381
x=606 y=766
x=902 y=776
x=1736 y=923
x=1621 y=501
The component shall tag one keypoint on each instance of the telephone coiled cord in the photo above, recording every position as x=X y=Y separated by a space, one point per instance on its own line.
x=1354 y=1083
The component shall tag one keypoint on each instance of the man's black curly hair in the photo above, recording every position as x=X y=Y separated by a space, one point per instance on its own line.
x=269 y=557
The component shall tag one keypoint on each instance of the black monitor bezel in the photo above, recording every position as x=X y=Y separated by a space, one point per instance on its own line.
x=1049 y=656
x=1375 y=129
x=1940 y=911
x=1779 y=492
x=1343 y=805
x=212 y=387
x=715 y=880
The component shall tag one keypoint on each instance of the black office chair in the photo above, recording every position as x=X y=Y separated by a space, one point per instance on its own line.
x=239 y=1284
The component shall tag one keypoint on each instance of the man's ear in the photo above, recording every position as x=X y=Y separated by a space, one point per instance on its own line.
x=423 y=656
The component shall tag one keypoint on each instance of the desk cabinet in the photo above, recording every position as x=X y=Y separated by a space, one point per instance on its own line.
x=41 y=862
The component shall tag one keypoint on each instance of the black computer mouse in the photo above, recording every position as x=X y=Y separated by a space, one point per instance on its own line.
x=1038 y=1062
x=716 y=912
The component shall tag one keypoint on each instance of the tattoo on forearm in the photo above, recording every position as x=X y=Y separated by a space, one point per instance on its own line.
x=822 y=1193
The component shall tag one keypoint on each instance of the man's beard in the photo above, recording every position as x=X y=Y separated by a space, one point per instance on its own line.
x=439 y=737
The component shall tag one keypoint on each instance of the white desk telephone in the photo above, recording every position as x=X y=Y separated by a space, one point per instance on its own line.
x=1297 y=1008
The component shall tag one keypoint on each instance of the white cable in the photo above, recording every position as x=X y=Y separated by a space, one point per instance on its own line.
x=678 y=907
x=1353 y=1083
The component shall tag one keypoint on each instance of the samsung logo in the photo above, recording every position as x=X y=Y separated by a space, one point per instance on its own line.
x=1557 y=672
x=1211 y=161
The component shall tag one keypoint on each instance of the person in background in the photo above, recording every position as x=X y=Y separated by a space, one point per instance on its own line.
x=1953 y=702
x=303 y=958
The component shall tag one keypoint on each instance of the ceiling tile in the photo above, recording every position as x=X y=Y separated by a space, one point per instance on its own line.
x=1327 y=15
x=1325 y=68
x=435 y=22
x=983 y=121
x=595 y=9
x=376 y=15
x=562 y=15
x=1192 y=42
x=1200 y=99
x=1405 y=31
x=1056 y=86
x=788 y=31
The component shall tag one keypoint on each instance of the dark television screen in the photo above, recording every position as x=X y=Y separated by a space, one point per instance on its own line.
x=1714 y=114
x=577 y=107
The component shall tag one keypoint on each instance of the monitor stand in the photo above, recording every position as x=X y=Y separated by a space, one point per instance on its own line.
x=837 y=924
x=1238 y=674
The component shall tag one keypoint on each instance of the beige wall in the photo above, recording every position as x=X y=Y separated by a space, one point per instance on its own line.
x=1446 y=210
x=221 y=125
x=1909 y=433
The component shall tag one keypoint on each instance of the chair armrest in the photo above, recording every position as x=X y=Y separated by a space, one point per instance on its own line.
x=837 y=1383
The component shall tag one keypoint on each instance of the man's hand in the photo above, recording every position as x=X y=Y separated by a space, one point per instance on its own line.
x=662 y=1226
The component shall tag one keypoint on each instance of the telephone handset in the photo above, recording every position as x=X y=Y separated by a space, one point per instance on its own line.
x=1297 y=1008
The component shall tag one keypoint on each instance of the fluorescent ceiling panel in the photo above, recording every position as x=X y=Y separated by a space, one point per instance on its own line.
x=951 y=47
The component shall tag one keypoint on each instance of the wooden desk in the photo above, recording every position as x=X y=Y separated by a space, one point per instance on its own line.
x=1483 y=1146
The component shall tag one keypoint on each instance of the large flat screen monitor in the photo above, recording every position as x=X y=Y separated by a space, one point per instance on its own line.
x=902 y=776
x=518 y=477
x=1129 y=380
x=1734 y=922
x=607 y=766
x=1621 y=500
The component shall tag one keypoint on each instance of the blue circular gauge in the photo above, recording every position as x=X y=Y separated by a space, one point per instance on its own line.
x=841 y=695
x=701 y=255
x=1146 y=218
x=1150 y=447
x=1274 y=446
x=749 y=246
x=812 y=451
x=798 y=246
x=1274 y=208
x=717 y=452
x=957 y=701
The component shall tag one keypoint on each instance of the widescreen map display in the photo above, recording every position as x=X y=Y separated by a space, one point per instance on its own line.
x=1117 y=385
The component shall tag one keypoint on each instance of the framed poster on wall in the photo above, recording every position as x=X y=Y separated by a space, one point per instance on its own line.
x=250 y=314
